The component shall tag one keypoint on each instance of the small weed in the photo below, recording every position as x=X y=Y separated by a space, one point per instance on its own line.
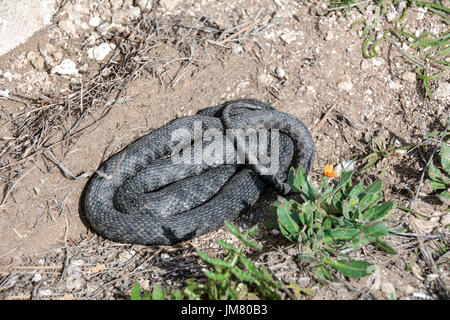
x=427 y=51
x=334 y=220
x=234 y=277
x=440 y=173
x=380 y=147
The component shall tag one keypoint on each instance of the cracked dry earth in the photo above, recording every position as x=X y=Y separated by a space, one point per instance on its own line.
x=281 y=52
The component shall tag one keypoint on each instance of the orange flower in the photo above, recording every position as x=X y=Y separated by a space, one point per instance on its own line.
x=329 y=171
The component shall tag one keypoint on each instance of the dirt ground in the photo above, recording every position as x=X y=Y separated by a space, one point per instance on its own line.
x=304 y=64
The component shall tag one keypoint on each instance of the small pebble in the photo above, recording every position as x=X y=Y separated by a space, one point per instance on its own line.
x=66 y=67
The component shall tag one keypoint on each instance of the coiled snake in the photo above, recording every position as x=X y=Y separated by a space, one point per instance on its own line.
x=141 y=196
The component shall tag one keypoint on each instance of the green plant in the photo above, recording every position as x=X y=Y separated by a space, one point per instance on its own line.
x=333 y=220
x=233 y=277
x=380 y=147
x=428 y=52
x=440 y=174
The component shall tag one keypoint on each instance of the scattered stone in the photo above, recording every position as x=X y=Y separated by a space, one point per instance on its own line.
x=45 y=292
x=74 y=282
x=95 y=22
x=98 y=268
x=366 y=65
x=8 y=75
x=4 y=93
x=288 y=37
x=165 y=256
x=442 y=92
x=394 y=85
x=69 y=27
x=38 y=63
x=66 y=67
x=101 y=51
x=116 y=4
x=345 y=85
x=169 y=4
x=36 y=278
x=134 y=13
x=120 y=17
x=377 y=62
x=280 y=73
x=329 y=36
x=77 y=262
x=125 y=256
x=409 y=76
x=237 y=48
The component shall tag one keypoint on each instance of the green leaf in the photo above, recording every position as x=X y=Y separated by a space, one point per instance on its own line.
x=437 y=185
x=445 y=197
x=445 y=157
x=377 y=229
x=287 y=218
x=385 y=247
x=215 y=276
x=243 y=276
x=158 y=293
x=136 y=292
x=227 y=246
x=340 y=234
x=368 y=200
x=352 y=268
x=356 y=191
x=434 y=173
x=300 y=184
x=379 y=211
x=345 y=178
x=307 y=258
x=321 y=273
x=214 y=261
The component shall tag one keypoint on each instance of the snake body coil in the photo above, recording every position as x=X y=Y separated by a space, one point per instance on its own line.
x=141 y=196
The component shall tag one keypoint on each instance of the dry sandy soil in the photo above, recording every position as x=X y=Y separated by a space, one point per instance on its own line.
x=304 y=64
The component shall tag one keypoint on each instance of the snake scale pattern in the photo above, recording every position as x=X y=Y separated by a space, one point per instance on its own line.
x=140 y=196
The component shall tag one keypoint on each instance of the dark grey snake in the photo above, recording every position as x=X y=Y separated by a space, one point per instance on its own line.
x=141 y=196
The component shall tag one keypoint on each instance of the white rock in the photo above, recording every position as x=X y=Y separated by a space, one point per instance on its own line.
x=377 y=62
x=288 y=37
x=67 y=67
x=409 y=76
x=4 y=93
x=120 y=17
x=74 y=283
x=7 y=75
x=144 y=5
x=394 y=85
x=95 y=21
x=36 y=278
x=45 y=292
x=365 y=65
x=280 y=73
x=116 y=4
x=125 y=256
x=169 y=4
x=442 y=92
x=69 y=27
x=101 y=51
x=134 y=12
x=345 y=85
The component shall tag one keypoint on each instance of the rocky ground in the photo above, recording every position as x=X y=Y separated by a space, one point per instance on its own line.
x=106 y=72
